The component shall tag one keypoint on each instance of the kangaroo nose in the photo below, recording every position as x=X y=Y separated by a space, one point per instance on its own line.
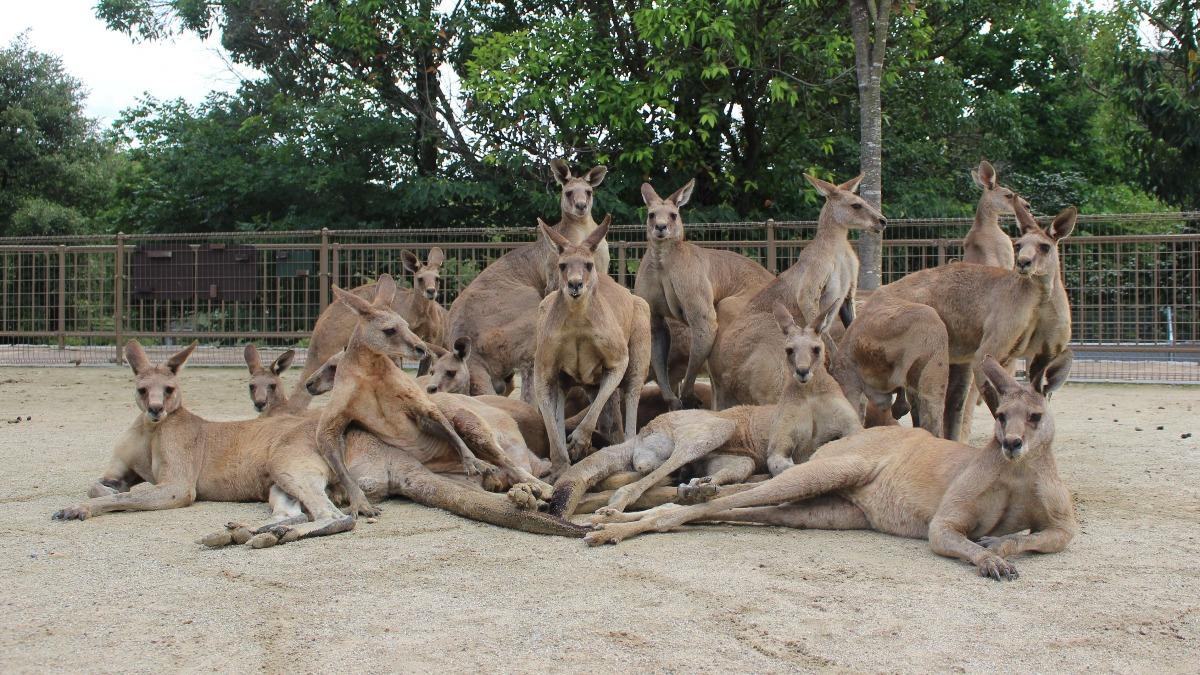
x=1013 y=445
x=580 y=206
x=429 y=293
x=1023 y=264
x=802 y=373
x=419 y=350
x=154 y=410
x=882 y=222
x=259 y=406
x=431 y=389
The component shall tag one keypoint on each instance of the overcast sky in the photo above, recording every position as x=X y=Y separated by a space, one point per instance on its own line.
x=115 y=70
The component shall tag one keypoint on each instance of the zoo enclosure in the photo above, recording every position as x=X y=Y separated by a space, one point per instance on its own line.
x=73 y=300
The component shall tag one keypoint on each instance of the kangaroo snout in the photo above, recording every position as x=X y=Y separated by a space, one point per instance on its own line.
x=1012 y=446
x=803 y=374
x=1024 y=265
x=880 y=225
x=575 y=287
x=430 y=293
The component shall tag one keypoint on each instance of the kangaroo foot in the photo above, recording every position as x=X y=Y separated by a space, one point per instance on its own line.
x=234 y=533
x=269 y=536
x=609 y=514
x=527 y=497
x=613 y=533
x=697 y=490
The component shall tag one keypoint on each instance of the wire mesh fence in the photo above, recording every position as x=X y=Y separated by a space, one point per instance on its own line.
x=1132 y=280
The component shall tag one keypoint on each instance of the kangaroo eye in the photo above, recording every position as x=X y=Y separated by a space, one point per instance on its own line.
x=1044 y=248
x=590 y=266
x=389 y=331
x=789 y=351
x=1035 y=418
x=562 y=267
x=1001 y=418
x=142 y=390
x=588 y=192
x=169 y=390
x=451 y=373
x=673 y=216
x=270 y=387
x=856 y=205
x=251 y=389
x=816 y=351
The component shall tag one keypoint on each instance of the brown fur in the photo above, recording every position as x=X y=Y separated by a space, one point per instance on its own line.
x=986 y=243
x=418 y=306
x=592 y=333
x=734 y=443
x=266 y=387
x=743 y=363
x=987 y=310
x=498 y=309
x=685 y=282
x=908 y=483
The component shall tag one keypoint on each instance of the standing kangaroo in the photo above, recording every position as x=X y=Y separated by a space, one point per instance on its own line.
x=593 y=333
x=498 y=309
x=419 y=307
x=734 y=443
x=908 y=483
x=683 y=281
x=988 y=310
x=986 y=243
x=744 y=363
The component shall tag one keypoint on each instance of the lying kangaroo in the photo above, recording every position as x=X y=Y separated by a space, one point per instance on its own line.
x=896 y=346
x=738 y=441
x=744 y=361
x=908 y=483
x=988 y=310
x=181 y=458
x=498 y=309
x=683 y=281
x=419 y=307
x=986 y=243
x=593 y=333
x=370 y=390
x=266 y=386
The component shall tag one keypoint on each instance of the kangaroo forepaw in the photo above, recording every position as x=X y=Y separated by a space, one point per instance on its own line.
x=997 y=568
x=579 y=444
x=477 y=467
x=362 y=507
x=525 y=497
x=777 y=464
x=697 y=491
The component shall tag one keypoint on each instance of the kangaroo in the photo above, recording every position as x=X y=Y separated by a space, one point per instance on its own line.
x=986 y=243
x=266 y=386
x=594 y=333
x=498 y=309
x=735 y=442
x=419 y=307
x=184 y=458
x=988 y=310
x=683 y=281
x=909 y=483
x=370 y=390
x=743 y=362
x=896 y=346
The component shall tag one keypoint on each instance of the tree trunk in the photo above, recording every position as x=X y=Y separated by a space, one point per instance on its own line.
x=869 y=27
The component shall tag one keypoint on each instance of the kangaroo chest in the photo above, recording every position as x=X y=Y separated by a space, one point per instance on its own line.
x=584 y=359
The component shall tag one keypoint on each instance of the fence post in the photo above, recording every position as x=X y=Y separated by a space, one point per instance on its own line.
x=621 y=261
x=941 y=246
x=324 y=268
x=771 y=259
x=62 y=296
x=119 y=301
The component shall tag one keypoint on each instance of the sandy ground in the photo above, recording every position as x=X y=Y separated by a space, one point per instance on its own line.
x=423 y=590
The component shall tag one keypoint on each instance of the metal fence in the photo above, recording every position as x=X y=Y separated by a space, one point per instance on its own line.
x=1132 y=280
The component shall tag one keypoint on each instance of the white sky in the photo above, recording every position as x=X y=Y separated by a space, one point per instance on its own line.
x=114 y=69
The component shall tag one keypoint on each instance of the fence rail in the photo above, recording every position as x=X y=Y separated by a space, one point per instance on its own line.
x=1132 y=279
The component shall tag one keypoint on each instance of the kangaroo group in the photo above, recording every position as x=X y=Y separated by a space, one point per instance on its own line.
x=552 y=400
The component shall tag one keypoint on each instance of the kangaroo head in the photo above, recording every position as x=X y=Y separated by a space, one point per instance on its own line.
x=449 y=372
x=1037 y=249
x=577 y=190
x=577 y=262
x=321 y=381
x=157 y=388
x=802 y=344
x=380 y=328
x=266 y=388
x=425 y=275
x=844 y=207
x=1023 y=423
x=662 y=215
x=996 y=197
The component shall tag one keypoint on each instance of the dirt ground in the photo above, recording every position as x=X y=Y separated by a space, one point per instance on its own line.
x=423 y=590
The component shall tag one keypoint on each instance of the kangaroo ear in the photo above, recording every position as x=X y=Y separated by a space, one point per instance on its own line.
x=560 y=170
x=409 y=261
x=984 y=175
x=683 y=194
x=592 y=242
x=783 y=317
x=649 y=195
x=359 y=305
x=462 y=348
x=1025 y=219
x=596 y=175
x=1063 y=223
x=825 y=317
x=136 y=356
x=852 y=184
x=253 y=362
x=435 y=257
x=437 y=350
x=998 y=377
x=283 y=362
x=824 y=187
x=385 y=290
x=175 y=363
x=560 y=242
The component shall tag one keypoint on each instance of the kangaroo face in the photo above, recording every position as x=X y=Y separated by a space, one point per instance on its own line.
x=663 y=221
x=1022 y=421
x=577 y=262
x=1036 y=250
x=156 y=387
x=426 y=275
x=266 y=387
x=449 y=372
x=996 y=197
x=322 y=379
x=577 y=191
x=802 y=344
x=380 y=328
x=845 y=207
